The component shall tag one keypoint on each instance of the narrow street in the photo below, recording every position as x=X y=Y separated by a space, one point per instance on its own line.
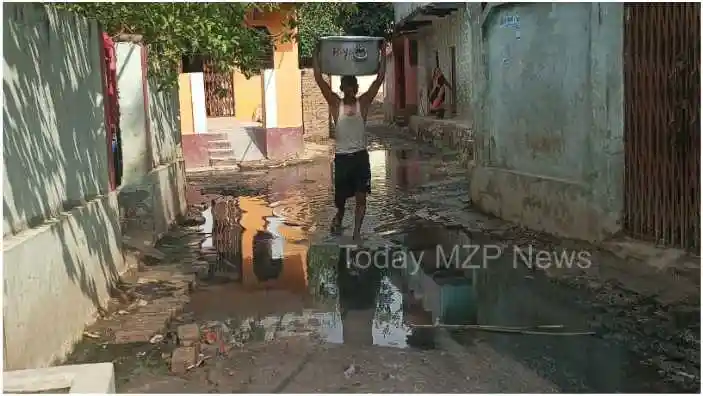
x=278 y=327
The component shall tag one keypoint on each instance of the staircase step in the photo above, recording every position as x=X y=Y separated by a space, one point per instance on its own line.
x=220 y=151
x=220 y=144
x=224 y=161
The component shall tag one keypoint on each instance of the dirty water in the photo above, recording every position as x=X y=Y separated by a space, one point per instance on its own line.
x=269 y=271
x=297 y=294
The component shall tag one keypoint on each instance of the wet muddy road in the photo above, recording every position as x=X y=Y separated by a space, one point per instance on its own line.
x=293 y=312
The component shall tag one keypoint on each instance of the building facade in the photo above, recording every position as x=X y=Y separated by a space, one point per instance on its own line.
x=257 y=118
x=63 y=191
x=554 y=105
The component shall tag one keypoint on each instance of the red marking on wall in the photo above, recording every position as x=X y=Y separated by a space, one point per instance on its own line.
x=112 y=112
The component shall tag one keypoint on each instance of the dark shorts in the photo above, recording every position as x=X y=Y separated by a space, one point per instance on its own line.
x=352 y=174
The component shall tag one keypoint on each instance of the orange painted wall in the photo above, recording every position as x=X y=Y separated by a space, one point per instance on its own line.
x=186 y=104
x=288 y=87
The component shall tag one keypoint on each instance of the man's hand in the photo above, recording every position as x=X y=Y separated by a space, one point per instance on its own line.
x=316 y=57
x=382 y=67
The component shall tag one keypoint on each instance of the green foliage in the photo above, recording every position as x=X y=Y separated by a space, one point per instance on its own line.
x=317 y=20
x=368 y=19
x=172 y=30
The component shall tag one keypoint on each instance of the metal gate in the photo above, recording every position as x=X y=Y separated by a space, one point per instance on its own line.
x=662 y=123
x=219 y=91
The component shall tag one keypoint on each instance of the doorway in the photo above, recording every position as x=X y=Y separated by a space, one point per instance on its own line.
x=662 y=123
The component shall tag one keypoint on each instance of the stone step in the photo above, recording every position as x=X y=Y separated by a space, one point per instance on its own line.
x=224 y=161
x=220 y=152
x=220 y=144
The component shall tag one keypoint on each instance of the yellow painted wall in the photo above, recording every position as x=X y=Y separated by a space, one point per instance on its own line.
x=186 y=104
x=249 y=93
x=248 y=96
x=288 y=89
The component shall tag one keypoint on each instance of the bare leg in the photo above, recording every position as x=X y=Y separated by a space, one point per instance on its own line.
x=337 y=221
x=359 y=213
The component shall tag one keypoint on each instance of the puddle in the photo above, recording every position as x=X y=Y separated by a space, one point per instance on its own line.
x=496 y=292
x=277 y=286
x=284 y=280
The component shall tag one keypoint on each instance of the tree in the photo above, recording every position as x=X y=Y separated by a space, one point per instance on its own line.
x=368 y=19
x=174 y=30
x=316 y=20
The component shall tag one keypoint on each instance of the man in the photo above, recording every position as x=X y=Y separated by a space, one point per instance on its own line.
x=352 y=170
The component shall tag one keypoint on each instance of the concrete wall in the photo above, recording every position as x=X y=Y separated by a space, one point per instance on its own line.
x=136 y=156
x=389 y=89
x=152 y=194
x=60 y=248
x=551 y=151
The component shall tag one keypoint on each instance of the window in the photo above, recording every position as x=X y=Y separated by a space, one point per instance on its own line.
x=413 y=52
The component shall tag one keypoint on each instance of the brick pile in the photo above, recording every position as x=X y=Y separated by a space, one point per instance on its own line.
x=187 y=354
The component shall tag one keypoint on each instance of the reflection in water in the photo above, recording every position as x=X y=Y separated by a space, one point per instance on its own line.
x=305 y=297
x=358 y=290
x=266 y=266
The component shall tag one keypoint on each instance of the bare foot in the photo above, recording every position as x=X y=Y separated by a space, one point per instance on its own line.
x=336 y=228
x=357 y=238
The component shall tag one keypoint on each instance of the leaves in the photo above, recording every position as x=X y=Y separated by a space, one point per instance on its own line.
x=174 y=30
x=368 y=19
x=218 y=30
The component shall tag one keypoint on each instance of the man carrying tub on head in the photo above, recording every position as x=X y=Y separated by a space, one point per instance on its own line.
x=352 y=170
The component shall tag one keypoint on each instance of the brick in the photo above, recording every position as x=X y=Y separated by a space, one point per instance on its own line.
x=188 y=335
x=184 y=357
x=315 y=110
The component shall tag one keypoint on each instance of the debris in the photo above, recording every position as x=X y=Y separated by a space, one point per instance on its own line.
x=350 y=371
x=146 y=249
x=122 y=312
x=142 y=303
x=530 y=330
x=91 y=335
x=211 y=337
x=687 y=375
x=188 y=334
x=201 y=359
x=183 y=358
x=156 y=339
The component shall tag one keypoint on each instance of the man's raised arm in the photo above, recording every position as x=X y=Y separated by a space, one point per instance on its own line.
x=330 y=96
x=369 y=95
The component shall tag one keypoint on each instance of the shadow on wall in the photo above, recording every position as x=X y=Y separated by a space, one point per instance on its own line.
x=55 y=151
x=164 y=124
